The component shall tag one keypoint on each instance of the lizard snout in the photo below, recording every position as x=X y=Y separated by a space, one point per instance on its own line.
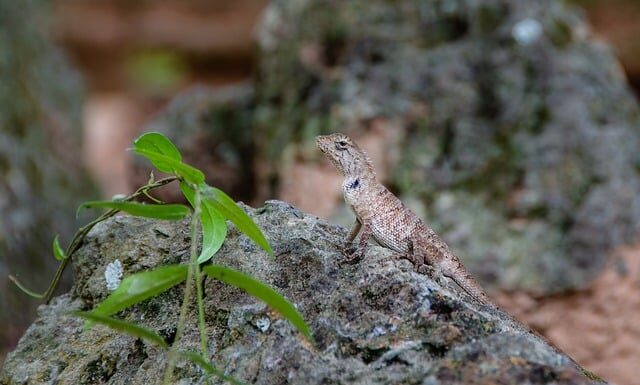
x=321 y=142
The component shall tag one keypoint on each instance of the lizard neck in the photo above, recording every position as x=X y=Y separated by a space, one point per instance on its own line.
x=357 y=186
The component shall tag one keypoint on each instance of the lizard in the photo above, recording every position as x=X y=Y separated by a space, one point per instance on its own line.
x=381 y=215
x=384 y=216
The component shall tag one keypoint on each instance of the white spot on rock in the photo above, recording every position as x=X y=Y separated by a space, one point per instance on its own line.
x=263 y=324
x=527 y=31
x=377 y=332
x=113 y=275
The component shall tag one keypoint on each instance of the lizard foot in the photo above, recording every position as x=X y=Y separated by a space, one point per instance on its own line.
x=351 y=256
x=426 y=270
x=348 y=249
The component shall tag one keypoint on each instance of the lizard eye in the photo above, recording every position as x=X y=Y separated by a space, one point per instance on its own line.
x=341 y=144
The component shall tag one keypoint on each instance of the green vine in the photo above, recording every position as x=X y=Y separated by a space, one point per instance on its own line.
x=211 y=209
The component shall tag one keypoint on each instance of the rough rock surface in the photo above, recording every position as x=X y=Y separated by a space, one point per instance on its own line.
x=41 y=180
x=376 y=322
x=517 y=131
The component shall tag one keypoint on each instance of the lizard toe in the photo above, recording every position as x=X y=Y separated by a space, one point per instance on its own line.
x=348 y=249
x=354 y=257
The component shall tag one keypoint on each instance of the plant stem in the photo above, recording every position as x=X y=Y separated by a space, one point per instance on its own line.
x=201 y=321
x=76 y=242
x=193 y=267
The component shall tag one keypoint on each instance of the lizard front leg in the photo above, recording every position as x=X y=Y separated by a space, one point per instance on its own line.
x=354 y=231
x=362 y=245
x=347 y=249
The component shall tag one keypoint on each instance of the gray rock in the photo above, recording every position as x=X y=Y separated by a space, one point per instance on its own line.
x=518 y=131
x=41 y=178
x=376 y=322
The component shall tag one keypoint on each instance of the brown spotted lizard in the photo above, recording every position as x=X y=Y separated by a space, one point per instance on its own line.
x=382 y=215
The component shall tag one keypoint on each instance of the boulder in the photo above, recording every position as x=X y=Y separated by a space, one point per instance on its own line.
x=375 y=322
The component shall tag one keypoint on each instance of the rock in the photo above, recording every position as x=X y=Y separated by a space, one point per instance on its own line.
x=517 y=131
x=41 y=178
x=376 y=322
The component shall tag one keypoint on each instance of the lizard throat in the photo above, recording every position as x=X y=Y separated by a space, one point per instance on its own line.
x=353 y=185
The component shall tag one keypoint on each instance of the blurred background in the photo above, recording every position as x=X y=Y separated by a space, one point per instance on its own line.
x=513 y=127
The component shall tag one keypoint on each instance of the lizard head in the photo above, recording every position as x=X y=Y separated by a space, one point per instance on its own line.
x=345 y=154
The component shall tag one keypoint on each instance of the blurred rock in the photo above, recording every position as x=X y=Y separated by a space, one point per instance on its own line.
x=517 y=131
x=41 y=178
x=377 y=322
x=209 y=39
x=212 y=127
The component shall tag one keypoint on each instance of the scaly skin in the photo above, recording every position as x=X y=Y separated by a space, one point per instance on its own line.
x=382 y=215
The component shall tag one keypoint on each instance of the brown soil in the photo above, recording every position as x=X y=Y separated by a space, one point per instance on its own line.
x=600 y=327
x=616 y=21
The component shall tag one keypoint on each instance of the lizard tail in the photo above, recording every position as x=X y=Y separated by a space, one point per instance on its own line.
x=457 y=272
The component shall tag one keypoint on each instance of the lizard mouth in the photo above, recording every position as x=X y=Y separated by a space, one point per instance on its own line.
x=321 y=143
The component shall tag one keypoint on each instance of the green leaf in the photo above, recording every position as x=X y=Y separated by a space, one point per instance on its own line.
x=123 y=326
x=138 y=287
x=229 y=209
x=172 y=166
x=158 y=143
x=214 y=226
x=168 y=211
x=214 y=232
x=208 y=368
x=262 y=292
x=58 y=253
